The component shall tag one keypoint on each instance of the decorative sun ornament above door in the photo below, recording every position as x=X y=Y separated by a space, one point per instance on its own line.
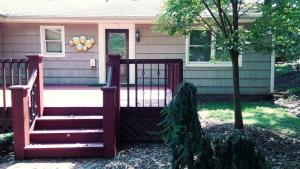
x=82 y=43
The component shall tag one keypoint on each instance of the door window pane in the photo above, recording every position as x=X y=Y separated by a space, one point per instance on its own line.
x=117 y=43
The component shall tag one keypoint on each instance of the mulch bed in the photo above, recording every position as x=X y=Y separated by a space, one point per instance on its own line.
x=282 y=152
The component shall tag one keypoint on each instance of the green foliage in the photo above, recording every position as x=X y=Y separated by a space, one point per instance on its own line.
x=280 y=18
x=6 y=143
x=237 y=151
x=258 y=114
x=182 y=131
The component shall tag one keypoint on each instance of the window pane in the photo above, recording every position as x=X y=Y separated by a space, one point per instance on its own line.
x=117 y=44
x=53 y=34
x=54 y=47
x=200 y=54
x=199 y=37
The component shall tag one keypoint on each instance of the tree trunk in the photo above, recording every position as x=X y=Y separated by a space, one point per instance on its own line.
x=234 y=53
x=238 y=118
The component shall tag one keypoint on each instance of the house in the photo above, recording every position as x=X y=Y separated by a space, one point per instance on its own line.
x=76 y=39
x=24 y=26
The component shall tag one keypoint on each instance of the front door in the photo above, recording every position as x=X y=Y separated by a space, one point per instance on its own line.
x=117 y=43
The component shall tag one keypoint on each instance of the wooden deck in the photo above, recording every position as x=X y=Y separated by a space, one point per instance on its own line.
x=86 y=96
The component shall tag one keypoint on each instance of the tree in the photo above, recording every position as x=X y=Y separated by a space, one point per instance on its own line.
x=280 y=18
x=222 y=17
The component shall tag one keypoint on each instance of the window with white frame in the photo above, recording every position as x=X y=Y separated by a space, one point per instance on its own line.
x=201 y=51
x=53 y=41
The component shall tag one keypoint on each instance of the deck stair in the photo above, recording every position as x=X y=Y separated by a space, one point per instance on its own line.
x=68 y=133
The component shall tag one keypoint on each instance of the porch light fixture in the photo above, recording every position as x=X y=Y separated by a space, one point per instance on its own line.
x=137 y=36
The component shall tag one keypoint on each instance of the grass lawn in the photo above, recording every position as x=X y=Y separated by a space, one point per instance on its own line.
x=258 y=114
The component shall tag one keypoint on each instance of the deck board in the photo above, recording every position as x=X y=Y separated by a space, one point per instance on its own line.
x=86 y=96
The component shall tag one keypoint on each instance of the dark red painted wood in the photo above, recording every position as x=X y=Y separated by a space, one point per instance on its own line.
x=20 y=118
x=87 y=122
x=36 y=62
x=114 y=61
x=65 y=150
x=66 y=136
x=75 y=111
x=109 y=124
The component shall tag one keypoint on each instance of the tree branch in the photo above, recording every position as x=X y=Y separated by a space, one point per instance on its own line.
x=248 y=9
x=212 y=15
x=208 y=26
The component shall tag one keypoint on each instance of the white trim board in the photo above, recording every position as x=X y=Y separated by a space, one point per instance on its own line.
x=272 y=78
x=101 y=38
x=43 y=41
x=198 y=64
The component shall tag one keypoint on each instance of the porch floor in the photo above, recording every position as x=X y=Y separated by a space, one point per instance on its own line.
x=86 y=96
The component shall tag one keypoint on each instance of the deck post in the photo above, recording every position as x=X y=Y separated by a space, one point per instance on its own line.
x=171 y=76
x=109 y=117
x=36 y=61
x=20 y=118
x=114 y=61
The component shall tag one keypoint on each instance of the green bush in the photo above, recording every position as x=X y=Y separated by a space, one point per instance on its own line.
x=192 y=149
x=237 y=152
x=182 y=131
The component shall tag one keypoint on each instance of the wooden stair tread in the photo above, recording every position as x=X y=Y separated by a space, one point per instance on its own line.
x=70 y=145
x=70 y=131
x=70 y=117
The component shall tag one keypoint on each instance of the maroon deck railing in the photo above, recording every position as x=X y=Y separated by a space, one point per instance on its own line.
x=27 y=104
x=13 y=71
x=109 y=115
x=156 y=77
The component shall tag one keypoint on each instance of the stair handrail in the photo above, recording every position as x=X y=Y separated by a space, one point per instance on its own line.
x=27 y=104
x=109 y=77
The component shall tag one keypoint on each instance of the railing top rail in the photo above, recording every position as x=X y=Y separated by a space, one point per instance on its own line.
x=109 y=77
x=149 y=61
x=10 y=60
x=32 y=79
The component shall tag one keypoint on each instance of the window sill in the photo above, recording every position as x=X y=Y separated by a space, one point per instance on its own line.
x=54 y=55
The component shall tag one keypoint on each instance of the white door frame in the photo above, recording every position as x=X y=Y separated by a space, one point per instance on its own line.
x=101 y=38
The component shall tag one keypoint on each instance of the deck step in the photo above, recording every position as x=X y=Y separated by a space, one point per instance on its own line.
x=68 y=122
x=66 y=136
x=76 y=111
x=65 y=150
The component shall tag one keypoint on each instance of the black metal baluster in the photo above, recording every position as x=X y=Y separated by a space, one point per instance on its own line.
x=127 y=83
x=151 y=85
x=165 y=84
x=158 y=73
x=143 y=74
x=136 y=87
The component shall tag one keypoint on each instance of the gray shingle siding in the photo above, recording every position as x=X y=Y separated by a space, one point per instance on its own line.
x=72 y=69
x=254 y=73
x=75 y=69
